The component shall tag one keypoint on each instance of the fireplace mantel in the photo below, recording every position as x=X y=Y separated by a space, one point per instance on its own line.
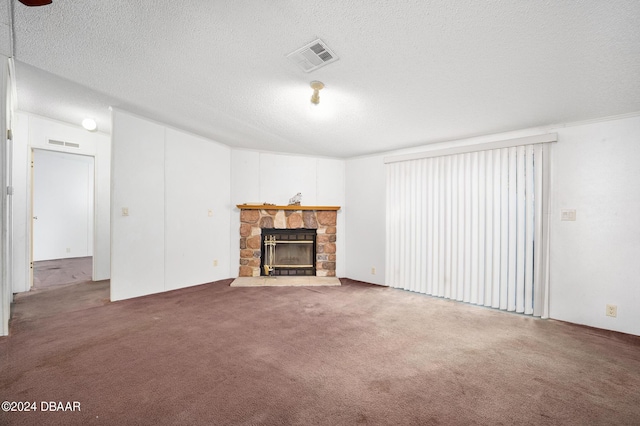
x=290 y=207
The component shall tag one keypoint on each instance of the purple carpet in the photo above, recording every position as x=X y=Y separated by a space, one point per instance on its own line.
x=354 y=354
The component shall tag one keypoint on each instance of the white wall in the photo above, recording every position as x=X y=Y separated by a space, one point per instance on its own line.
x=197 y=210
x=596 y=259
x=137 y=184
x=593 y=261
x=366 y=219
x=21 y=250
x=6 y=108
x=275 y=178
x=168 y=181
x=33 y=132
x=63 y=203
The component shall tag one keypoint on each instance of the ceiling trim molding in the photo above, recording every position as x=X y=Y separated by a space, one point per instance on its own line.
x=592 y=121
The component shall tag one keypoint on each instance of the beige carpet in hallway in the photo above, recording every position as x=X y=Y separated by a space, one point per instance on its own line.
x=48 y=273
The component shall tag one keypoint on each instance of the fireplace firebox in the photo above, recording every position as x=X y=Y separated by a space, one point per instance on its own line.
x=288 y=252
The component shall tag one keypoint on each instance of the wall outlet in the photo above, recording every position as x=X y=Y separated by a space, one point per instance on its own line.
x=68 y=249
x=210 y=213
x=125 y=211
x=373 y=270
x=215 y=262
x=612 y=311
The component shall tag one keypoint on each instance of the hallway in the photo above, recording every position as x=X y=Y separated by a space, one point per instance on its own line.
x=49 y=273
x=59 y=286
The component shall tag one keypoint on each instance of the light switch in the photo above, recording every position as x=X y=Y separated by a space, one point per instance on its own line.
x=125 y=211
x=569 y=215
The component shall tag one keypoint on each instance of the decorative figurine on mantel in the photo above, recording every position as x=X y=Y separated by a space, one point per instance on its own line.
x=295 y=200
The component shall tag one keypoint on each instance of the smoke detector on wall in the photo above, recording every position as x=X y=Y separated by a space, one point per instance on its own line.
x=313 y=56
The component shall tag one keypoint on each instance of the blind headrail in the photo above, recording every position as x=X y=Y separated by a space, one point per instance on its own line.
x=506 y=143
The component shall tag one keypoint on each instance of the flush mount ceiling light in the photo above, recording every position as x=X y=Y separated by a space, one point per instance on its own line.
x=316 y=86
x=89 y=124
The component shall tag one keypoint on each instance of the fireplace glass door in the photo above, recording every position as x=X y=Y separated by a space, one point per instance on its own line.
x=288 y=252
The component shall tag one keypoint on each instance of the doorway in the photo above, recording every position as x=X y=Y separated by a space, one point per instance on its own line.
x=63 y=203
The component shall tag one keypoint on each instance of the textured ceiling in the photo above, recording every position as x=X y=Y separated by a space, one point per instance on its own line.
x=410 y=72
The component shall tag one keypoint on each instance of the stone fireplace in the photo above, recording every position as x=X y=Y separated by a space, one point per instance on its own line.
x=320 y=219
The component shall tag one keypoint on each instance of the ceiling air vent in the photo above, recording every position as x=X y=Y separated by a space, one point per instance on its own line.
x=313 y=56
x=63 y=143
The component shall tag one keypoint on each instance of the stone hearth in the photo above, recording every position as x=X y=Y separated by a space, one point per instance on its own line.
x=254 y=218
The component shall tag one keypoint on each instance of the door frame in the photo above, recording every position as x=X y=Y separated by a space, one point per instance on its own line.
x=30 y=209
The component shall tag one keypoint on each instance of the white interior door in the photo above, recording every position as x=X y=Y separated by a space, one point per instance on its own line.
x=63 y=205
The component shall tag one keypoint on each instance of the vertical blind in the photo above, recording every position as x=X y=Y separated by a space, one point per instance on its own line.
x=471 y=227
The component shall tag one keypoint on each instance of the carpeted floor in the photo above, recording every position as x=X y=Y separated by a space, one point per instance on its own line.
x=49 y=273
x=344 y=355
